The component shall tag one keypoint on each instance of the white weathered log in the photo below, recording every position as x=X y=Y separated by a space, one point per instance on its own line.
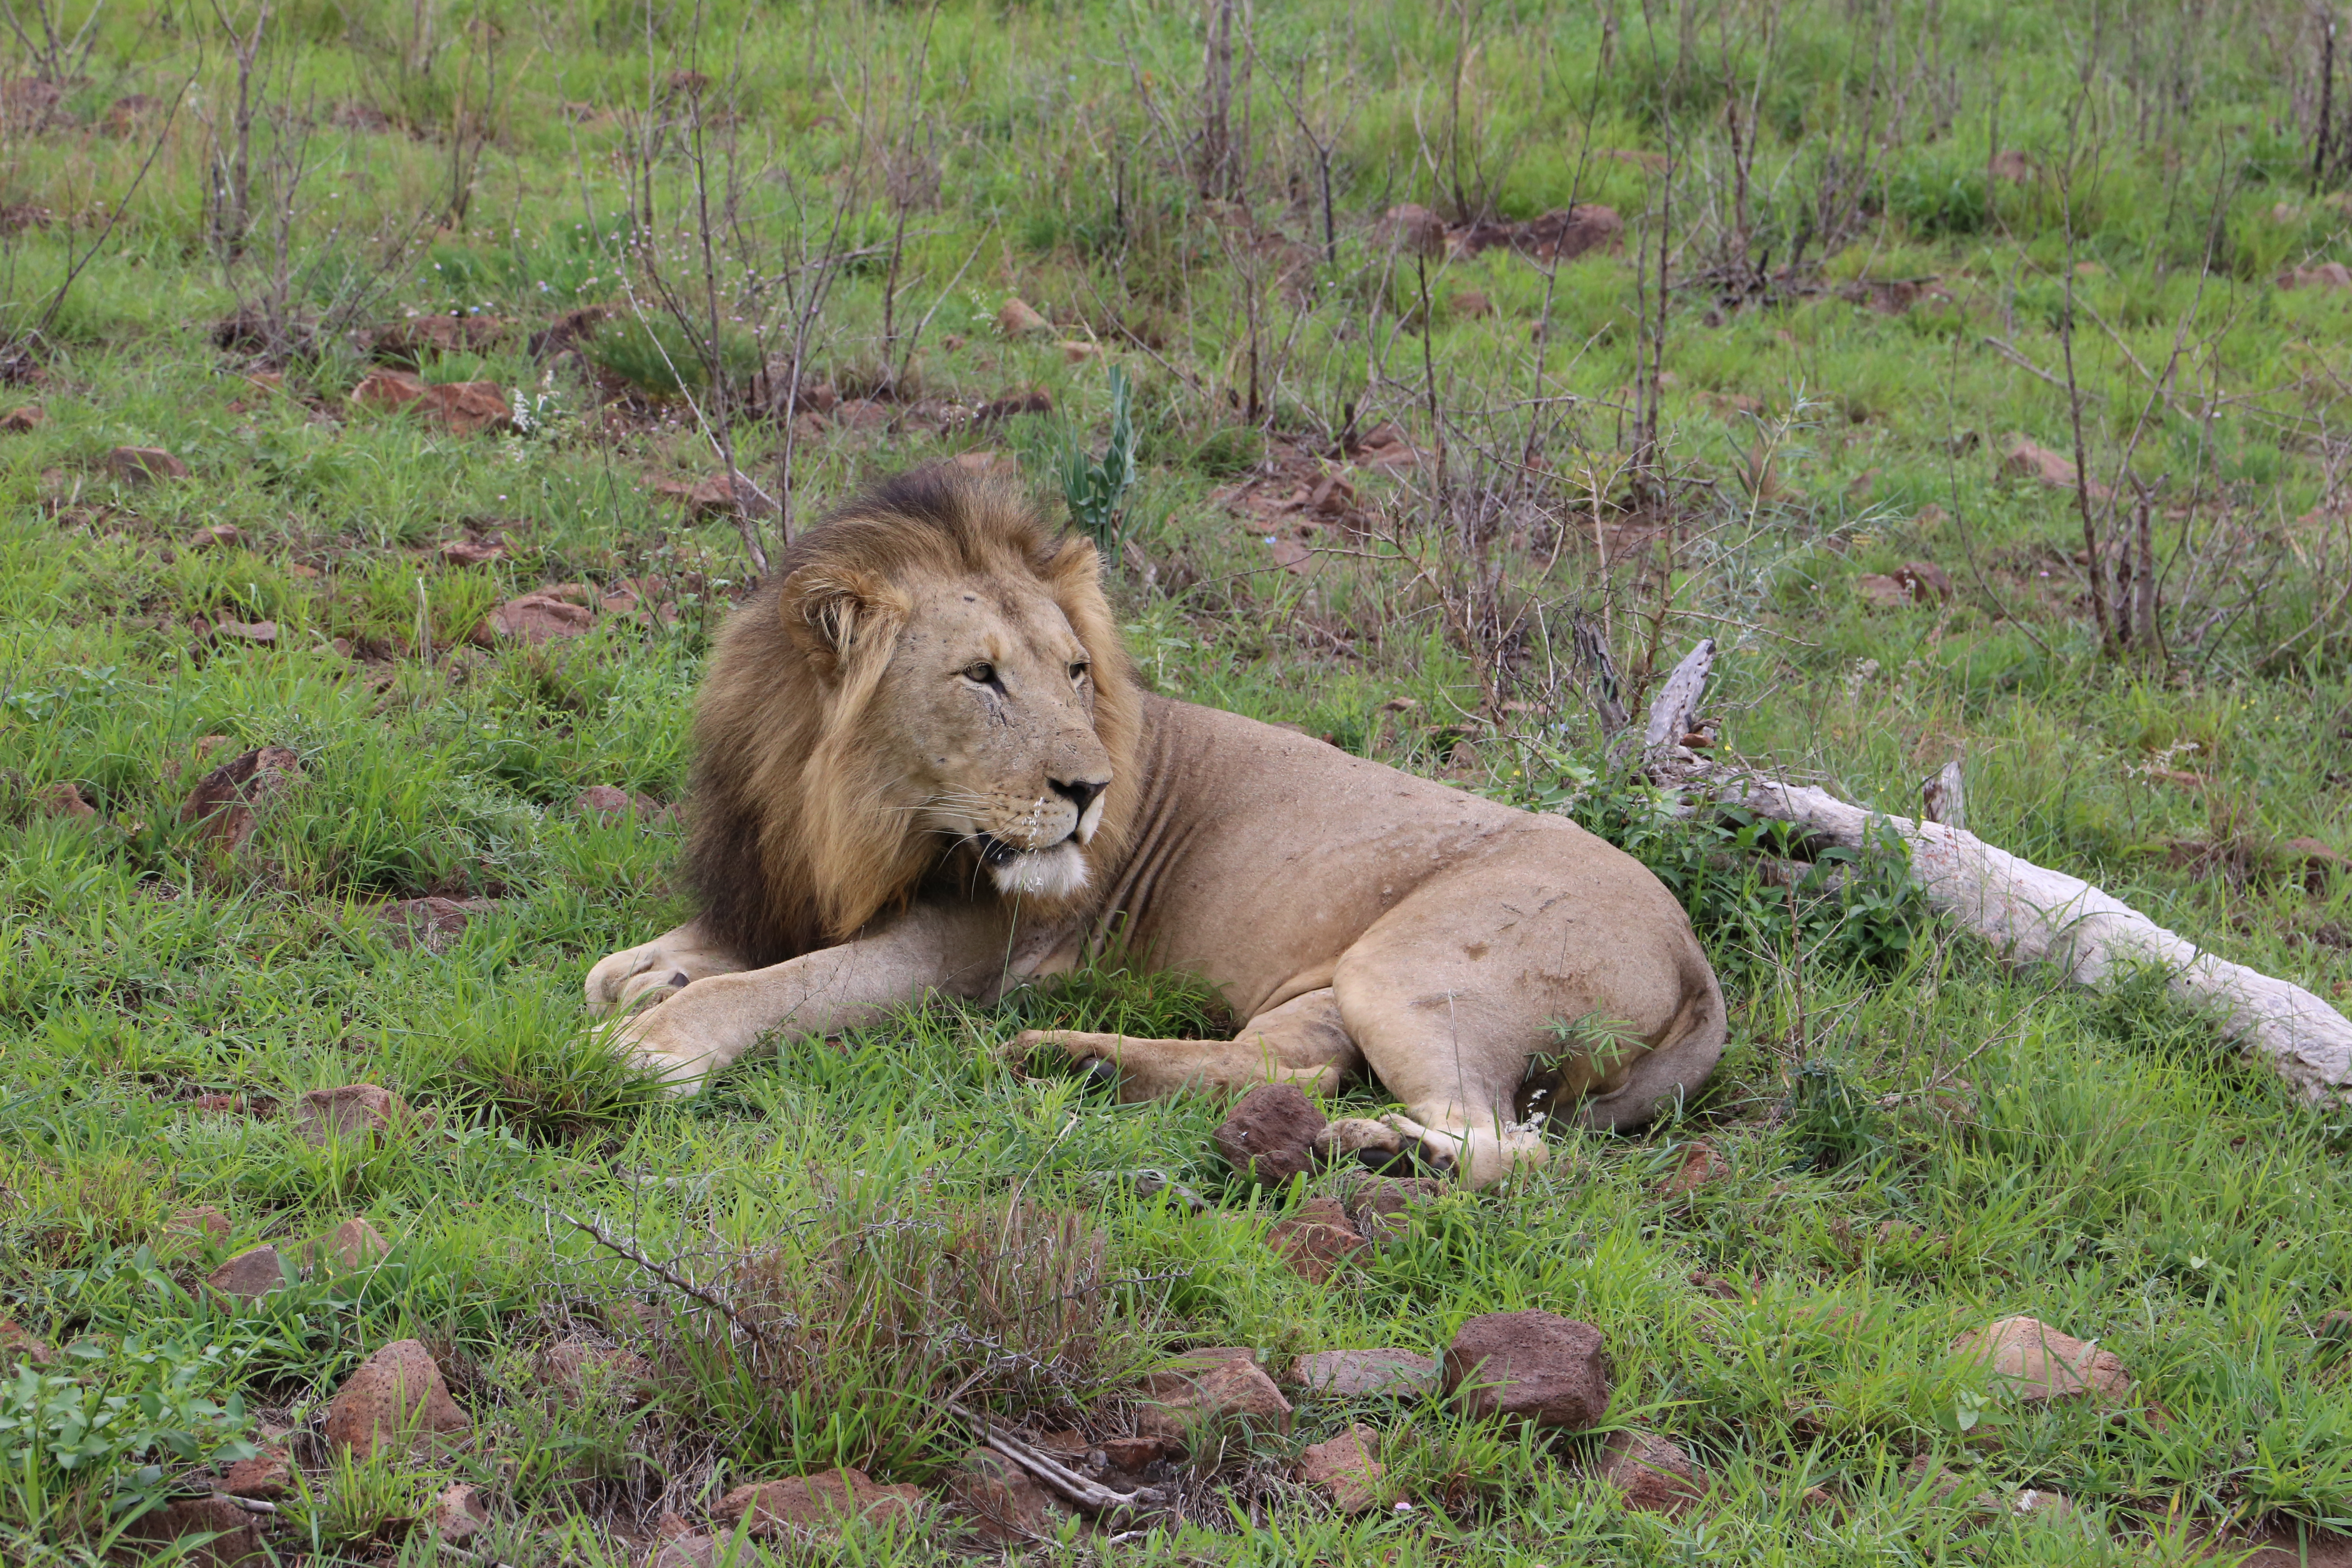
x=1675 y=709
x=1943 y=797
x=2033 y=914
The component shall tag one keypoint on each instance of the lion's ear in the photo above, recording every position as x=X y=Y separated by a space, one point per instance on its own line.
x=829 y=612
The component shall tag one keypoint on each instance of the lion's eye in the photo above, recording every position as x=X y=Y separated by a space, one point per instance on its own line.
x=981 y=672
x=1078 y=672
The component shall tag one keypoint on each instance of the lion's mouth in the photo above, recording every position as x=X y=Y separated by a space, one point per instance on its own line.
x=1053 y=870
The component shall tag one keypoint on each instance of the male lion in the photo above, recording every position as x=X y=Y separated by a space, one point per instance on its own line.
x=926 y=766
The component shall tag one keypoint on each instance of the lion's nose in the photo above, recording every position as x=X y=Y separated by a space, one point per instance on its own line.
x=1079 y=792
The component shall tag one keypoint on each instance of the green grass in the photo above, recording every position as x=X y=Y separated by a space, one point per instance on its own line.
x=1917 y=1140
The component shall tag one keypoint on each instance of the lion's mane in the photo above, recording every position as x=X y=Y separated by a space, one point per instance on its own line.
x=795 y=845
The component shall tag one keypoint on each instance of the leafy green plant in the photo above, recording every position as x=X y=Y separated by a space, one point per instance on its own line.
x=1097 y=489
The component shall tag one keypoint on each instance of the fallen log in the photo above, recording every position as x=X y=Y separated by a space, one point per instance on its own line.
x=2030 y=913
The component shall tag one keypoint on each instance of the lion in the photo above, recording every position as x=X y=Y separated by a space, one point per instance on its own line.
x=925 y=767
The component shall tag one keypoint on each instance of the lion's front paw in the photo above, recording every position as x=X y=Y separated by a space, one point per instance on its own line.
x=650 y=1042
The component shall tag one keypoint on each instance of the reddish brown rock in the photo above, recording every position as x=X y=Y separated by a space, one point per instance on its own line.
x=1317 y=1241
x=1699 y=1165
x=1469 y=304
x=2023 y=456
x=220 y=535
x=1345 y=1469
x=144 y=465
x=458 y=1514
x=579 y=1368
x=705 y=501
x=1564 y=235
x=690 y=1551
x=206 y=1222
x=406 y=341
x=609 y=803
x=1535 y=1367
x=2326 y=275
x=396 y=1396
x=225 y=802
x=1363 y=1375
x=468 y=407
x=354 y=1244
x=434 y=924
x=820 y=1502
x=17 y=1344
x=1652 y=1472
x=249 y=1276
x=63 y=799
x=1132 y=1454
x=262 y=631
x=541 y=616
x=360 y=1108
x=2281 y=1544
x=219 y=1104
x=1413 y=229
x=1381 y=1206
x=1212 y=1388
x=26 y=417
x=268 y=1475
x=1017 y=318
x=2031 y=1360
x=472 y=551
x=235 y=1538
x=1269 y=1135
x=388 y=390
x=1003 y=1504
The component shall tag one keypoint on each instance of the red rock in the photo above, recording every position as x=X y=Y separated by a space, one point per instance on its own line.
x=219 y=535
x=1413 y=229
x=206 y=1222
x=580 y=1367
x=1318 y=1240
x=1037 y=400
x=219 y=1104
x=1132 y=1454
x=541 y=616
x=1562 y=235
x=2027 y=458
x=607 y=802
x=1002 y=1503
x=396 y=1396
x=235 y=1538
x=387 y=390
x=406 y=341
x=1926 y=580
x=434 y=924
x=1381 y=1207
x=1269 y=1135
x=471 y=552
x=705 y=501
x=144 y=465
x=246 y=631
x=268 y=1475
x=1363 y=1375
x=2030 y=1361
x=354 y=1244
x=1345 y=1469
x=2284 y=1543
x=1652 y=1472
x=1881 y=590
x=1211 y=1388
x=1535 y=1367
x=365 y=1109
x=249 y=1276
x=18 y=420
x=1016 y=319
x=686 y=1551
x=225 y=800
x=468 y=407
x=458 y=1514
x=63 y=799
x=19 y=1345
x=818 y=1502
x=1700 y=1164
x=2326 y=275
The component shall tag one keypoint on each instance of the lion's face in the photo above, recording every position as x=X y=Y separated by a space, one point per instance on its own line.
x=989 y=702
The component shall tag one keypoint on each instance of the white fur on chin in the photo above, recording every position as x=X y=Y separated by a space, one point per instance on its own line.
x=1055 y=873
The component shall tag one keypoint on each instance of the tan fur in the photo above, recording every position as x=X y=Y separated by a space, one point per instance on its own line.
x=904 y=744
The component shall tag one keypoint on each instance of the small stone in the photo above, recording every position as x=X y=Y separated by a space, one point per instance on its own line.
x=1413 y=229
x=2032 y=1503
x=1212 y=1387
x=220 y=535
x=249 y=1276
x=219 y=1104
x=1003 y=1504
x=365 y=1109
x=862 y=414
x=579 y=1368
x=458 y=1514
x=472 y=551
x=542 y=616
x=268 y=1475
x=387 y=390
x=609 y=803
x=2027 y=459
x=26 y=417
x=434 y=924
x=1078 y=351
x=2031 y=1360
x=822 y=1501
x=1269 y=1135
x=2326 y=275
x=1363 y=1375
x=1653 y=1473
x=1037 y=400
x=19 y=1345
x=396 y=1395
x=1568 y=233
x=686 y=1551
x=1470 y=304
x=1815 y=1500
x=235 y=1538
x=1700 y=1164
x=206 y=1222
x=1132 y=1454
x=1381 y=1207
x=354 y=1244
x=1345 y=1469
x=1879 y=589
x=246 y=631
x=63 y=799
x=1016 y=319
x=225 y=802
x=144 y=465
x=1926 y=580
x=1317 y=1241
x=1535 y=1367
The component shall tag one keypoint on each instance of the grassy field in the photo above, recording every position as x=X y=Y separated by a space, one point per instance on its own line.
x=1897 y=238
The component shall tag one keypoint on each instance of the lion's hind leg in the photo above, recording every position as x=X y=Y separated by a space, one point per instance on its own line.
x=671 y=962
x=1300 y=1042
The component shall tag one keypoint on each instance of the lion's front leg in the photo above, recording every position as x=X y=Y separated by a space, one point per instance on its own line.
x=690 y=1034
x=671 y=962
